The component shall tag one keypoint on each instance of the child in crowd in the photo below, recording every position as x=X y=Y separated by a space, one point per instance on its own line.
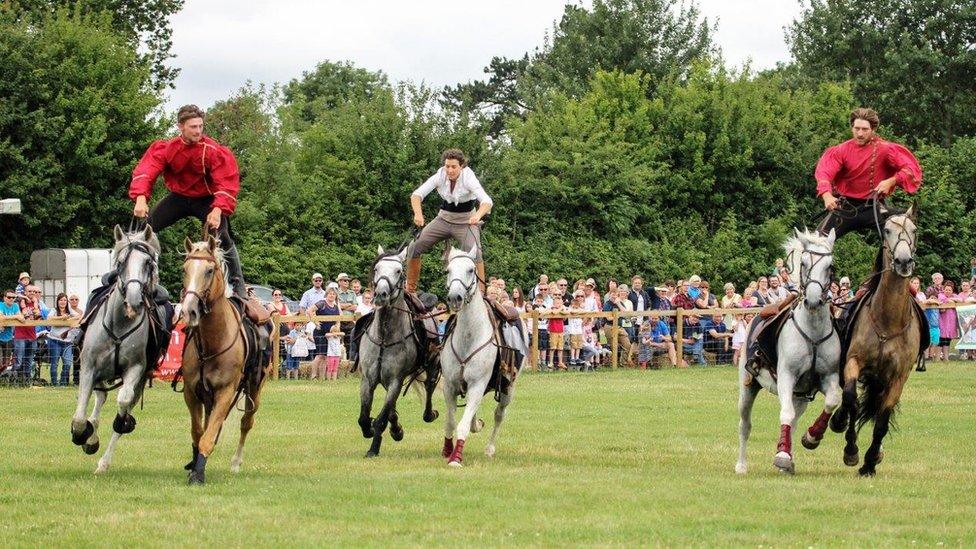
x=592 y=352
x=292 y=360
x=644 y=350
x=932 y=316
x=539 y=304
x=739 y=336
x=557 y=338
x=948 y=319
x=574 y=329
x=334 y=352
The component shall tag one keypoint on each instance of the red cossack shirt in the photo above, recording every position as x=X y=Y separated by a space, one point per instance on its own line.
x=855 y=170
x=204 y=168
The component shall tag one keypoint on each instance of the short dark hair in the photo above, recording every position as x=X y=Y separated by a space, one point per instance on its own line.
x=870 y=115
x=187 y=112
x=454 y=154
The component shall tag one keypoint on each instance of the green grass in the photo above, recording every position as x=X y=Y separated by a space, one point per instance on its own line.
x=606 y=458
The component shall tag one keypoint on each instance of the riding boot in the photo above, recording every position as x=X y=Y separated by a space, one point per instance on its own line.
x=480 y=267
x=413 y=274
x=234 y=272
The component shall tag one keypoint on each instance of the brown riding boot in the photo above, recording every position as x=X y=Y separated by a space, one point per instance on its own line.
x=413 y=275
x=480 y=267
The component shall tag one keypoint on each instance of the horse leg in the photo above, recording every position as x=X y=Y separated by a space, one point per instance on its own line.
x=83 y=429
x=195 y=407
x=504 y=400
x=830 y=385
x=223 y=400
x=124 y=423
x=396 y=430
x=379 y=424
x=787 y=418
x=450 y=421
x=477 y=424
x=747 y=397
x=367 y=386
x=90 y=446
x=851 y=372
x=251 y=404
x=430 y=385
x=875 y=452
x=476 y=392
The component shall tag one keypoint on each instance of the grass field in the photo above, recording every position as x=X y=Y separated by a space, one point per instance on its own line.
x=605 y=458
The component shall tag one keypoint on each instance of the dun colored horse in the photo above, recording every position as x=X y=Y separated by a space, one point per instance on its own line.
x=884 y=345
x=218 y=348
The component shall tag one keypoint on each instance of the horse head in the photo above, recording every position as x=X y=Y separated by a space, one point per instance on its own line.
x=811 y=255
x=462 y=277
x=136 y=257
x=899 y=242
x=203 y=279
x=388 y=276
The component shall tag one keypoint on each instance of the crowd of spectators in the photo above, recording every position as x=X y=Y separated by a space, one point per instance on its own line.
x=578 y=341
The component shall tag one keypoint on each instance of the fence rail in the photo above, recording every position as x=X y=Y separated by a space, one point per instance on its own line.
x=534 y=316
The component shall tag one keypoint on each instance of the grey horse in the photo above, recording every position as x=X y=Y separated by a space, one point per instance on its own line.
x=389 y=351
x=468 y=357
x=115 y=342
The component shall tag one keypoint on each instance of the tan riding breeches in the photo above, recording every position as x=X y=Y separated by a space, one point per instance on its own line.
x=449 y=225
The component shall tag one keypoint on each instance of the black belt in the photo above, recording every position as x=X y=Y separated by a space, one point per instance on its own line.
x=460 y=207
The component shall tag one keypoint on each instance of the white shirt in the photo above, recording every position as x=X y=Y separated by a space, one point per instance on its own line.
x=362 y=309
x=466 y=188
x=574 y=326
x=311 y=296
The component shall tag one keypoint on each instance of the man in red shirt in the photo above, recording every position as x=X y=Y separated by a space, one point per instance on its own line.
x=847 y=174
x=203 y=181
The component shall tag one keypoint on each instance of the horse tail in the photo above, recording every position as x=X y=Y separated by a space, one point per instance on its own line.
x=871 y=400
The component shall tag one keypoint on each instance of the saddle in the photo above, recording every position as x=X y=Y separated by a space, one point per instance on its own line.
x=761 y=345
x=510 y=339
x=256 y=312
x=503 y=313
x=850 y=315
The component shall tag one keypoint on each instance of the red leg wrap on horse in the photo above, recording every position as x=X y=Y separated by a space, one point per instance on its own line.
x=785 y=441
x=448 y=447
x=819 y=427
x=458 y=449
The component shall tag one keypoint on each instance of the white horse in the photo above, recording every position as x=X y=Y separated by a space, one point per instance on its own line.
x=468 y=357
x=807 y=335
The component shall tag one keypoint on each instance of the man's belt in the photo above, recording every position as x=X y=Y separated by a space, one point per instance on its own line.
x=460 y=207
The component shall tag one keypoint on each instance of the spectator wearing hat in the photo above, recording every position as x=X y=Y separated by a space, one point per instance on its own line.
x=694 y=286
x=693 y=336
x=9 y=308
x=22 y=282
x=683 y=299
x=347 y=297
x=591 y=298
x=314 y=294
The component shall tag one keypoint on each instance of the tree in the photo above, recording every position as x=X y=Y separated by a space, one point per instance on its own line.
x=914 y=61
x=145 y=24
x=75 y=115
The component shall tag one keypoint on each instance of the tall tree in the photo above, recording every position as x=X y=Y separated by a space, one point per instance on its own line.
x=145 y=24
x=912 y=60
x=74 y=117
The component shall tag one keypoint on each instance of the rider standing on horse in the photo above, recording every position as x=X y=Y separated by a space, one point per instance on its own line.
x=849 y=173
x=458 y=218
x=203 y=181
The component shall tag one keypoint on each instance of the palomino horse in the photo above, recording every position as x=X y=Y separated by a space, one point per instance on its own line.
x=884 y=345
x=394 y=347
x=221 y=358
x=468 y=357
x=807 y=345
x=116 y=342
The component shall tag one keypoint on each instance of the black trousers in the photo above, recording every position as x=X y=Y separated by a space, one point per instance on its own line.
x=174 y=207
x=855 y=214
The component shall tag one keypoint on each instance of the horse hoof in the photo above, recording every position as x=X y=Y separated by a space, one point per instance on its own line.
x=809 y=442
x=124 y=425
x=80 y=438
x=195 y=478
x=880 y=456
x=235 y=468
x=396 y=434
x=784 y=462
x=90 y=448
x=741 y=468
x=371 y=454
x=101 y=469
x=490 y=451
x=838 y=423
x=851 y=460
x=429 y=418
x=866 y=471
x=453 y=463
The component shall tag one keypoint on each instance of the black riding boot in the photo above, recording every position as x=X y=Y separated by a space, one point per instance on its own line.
x=234 y=272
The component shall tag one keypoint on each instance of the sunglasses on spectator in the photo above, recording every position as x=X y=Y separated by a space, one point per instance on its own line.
x=9 y=296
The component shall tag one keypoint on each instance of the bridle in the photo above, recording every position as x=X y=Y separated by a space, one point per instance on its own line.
x=395 y=288
x=904 y=236
x=468 y=287
x=145 y=248
x=806 y=280
x=204 y=297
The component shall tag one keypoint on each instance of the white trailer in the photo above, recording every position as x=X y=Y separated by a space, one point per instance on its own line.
x=71 y=271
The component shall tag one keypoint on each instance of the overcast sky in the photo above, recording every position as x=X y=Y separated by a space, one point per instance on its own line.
x=221 y=44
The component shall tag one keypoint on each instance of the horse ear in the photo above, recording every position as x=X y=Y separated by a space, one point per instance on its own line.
x=211 y=243
x=832 y=236
x=118 y=233
x=379 y=250
x=796 y=233
x=188 y=244
x=148 y=232
x=912 y=212
x=473 y=253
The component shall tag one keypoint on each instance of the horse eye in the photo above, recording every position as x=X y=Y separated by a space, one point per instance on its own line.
x=470 y=271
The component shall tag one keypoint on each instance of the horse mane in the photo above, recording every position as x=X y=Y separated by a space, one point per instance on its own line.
x=794 y=247
x=218 y=253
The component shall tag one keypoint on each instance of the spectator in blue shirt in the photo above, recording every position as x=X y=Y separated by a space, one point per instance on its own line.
x=693 y=338
x=718 y=339
x=10 y=308
x=662 y=342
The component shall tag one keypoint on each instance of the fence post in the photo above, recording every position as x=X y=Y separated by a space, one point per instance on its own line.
x=615 y=337
x=679 y=333
x=534 y=353
x=275 y=345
